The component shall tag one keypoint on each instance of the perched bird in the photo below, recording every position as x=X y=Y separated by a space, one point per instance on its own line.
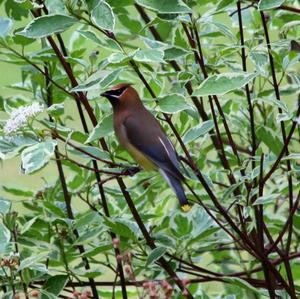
x=143 y=137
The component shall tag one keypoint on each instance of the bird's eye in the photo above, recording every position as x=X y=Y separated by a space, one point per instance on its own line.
x=118 y=92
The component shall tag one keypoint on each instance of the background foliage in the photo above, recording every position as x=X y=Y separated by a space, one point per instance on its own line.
x=223 y=78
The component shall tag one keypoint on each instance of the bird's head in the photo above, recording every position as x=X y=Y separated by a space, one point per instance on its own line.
x=121 y=95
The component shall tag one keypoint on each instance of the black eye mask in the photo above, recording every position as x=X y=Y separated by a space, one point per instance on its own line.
x=113 y=95
x=117 y=92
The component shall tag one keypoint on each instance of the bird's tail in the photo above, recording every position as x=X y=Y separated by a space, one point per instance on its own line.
x=176 y=185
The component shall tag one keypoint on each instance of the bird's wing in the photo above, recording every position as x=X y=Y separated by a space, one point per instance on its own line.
x=145 y=133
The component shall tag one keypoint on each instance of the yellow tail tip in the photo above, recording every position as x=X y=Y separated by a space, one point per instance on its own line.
x=186 y=208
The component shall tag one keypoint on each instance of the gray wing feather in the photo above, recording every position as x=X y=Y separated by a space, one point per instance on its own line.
x=145 y=133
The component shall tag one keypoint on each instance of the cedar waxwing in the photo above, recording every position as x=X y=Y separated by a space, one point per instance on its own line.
x=143 y=137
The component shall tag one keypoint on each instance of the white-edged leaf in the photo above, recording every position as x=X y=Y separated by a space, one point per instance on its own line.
x=4 y=237
x=165 y=6
x=172 y=103
x=269 y=4
x=155 y=254
x=28 y=225
x=5 y=26
x=116 y=58
x=260 y=59
x=223 y=83
x=36 y=156
x=47 y=25
x=98 y=83
x=103 y=129
x=56 y=110
x=10 y=146
x=149 y=55
x=47 y=295
x=92 y=150
x=292 y=156
x=262 y=200
x=174 y=53
x=198 y=131
x=103 y=16
x=5 y=206
x=32 y=260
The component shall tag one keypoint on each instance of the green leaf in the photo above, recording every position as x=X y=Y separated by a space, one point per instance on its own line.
x=5 y=206
x=87 y=218
x=198 y=131
x=269 y=4
x=5 y=26
x=123 y=227
x=54 y=209
x=18 y=192
x=47 y=25
x=95 y=151
x=270 y=139
x=165 y=6
x=172 y=103
x=104 y=42
x=262 y=200
x=4 y=237
x=98 y=83
x=155 y=254
x=103 y=129
x=174 y=53
x=54 y=285
x=223 y=4
x=36 y=156
x=223 y=83
x=56 y=110
x=88 y=236
x=47 y=295
x=103 y=16
x=181 y=225
x=242 y=284
x=99 y=249
x=28 y=225
x=149 y=55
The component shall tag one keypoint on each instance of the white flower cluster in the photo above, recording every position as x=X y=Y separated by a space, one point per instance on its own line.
x=19 y=117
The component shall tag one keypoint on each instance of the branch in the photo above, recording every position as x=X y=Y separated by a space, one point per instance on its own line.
x=289 y=8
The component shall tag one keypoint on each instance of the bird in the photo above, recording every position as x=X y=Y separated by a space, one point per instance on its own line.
x=141 y=134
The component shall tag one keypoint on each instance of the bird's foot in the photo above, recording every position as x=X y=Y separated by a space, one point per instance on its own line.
x=186 y=208
x=131 y=170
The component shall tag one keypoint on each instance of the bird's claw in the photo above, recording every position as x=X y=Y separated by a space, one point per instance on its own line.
x=131 y=170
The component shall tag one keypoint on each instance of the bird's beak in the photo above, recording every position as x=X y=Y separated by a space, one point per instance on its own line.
x=104 y=94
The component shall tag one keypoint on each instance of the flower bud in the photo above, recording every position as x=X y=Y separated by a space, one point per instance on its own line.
x=116 y=242
x=76 y=294
x=146 y=285
x=35 y=293
x=185 y=281
x=128 y=270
